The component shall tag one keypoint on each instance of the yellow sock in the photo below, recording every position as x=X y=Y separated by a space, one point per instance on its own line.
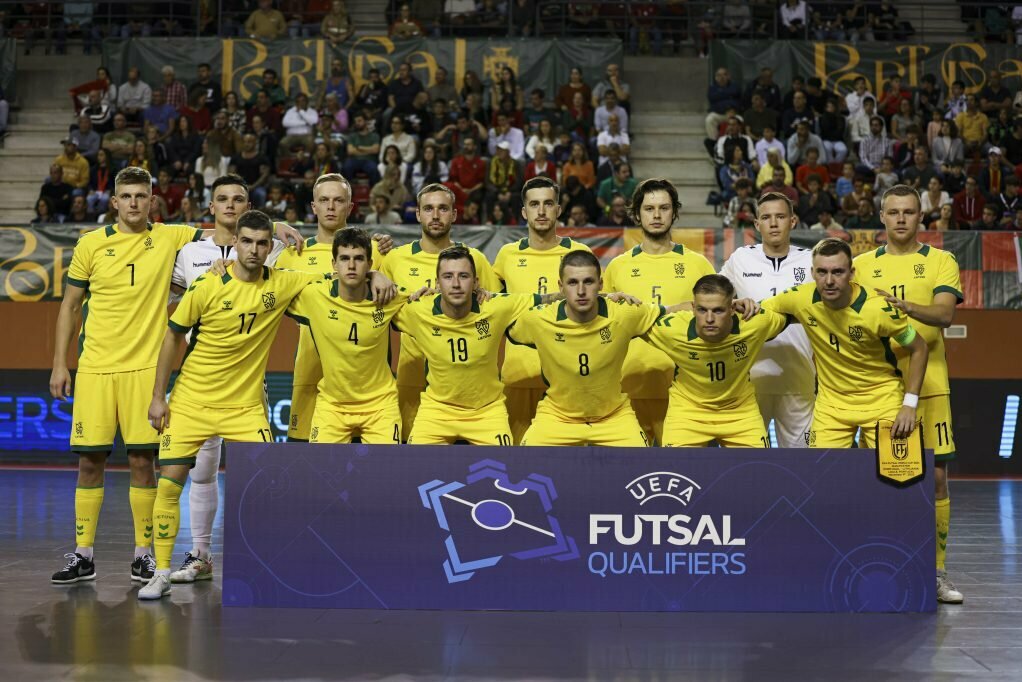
x=142 y=500
x=943 y=508
x=167 y=516
x=87 y=504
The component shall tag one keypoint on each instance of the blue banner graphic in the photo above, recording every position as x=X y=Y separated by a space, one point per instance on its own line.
x=579 y=529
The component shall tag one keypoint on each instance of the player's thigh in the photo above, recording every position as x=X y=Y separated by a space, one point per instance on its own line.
x=94 y=413
x=548 y=430
x=330 y=424
x=408 y=399
x=245 y=425
x=938 y=434
x=134 y=393
x=303 y=406
x=769 y=405
x=190 y=427
x=744 y=431
x=867 y=423
x=621 y=430
x=792 y=421
x=687 y=432
x=207 y=461
x=382 y=427
x=650 y=413
x=489 y=427
x=434 y=425
x=830 y=429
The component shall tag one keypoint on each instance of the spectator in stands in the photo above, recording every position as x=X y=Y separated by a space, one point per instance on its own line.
x=390 y=186
x=903 y=120
x=919 y=173
x=197 y=113
x=733 y=137
x=764 y=85
x=577 y=217
x=209 y=87
x=405 y=26
x=276 y=202
x=506 y=87
x=575 y=194
x=540 y=165
x=859 y=124
x=827 y=22
x=101 y=183
x=775 y=162
x=758 y=116
x=174 y=92
x=86 y=139
x=120 y=141
x=210 y=165
x=475 y=110
x=957 y=101
x=947 y=148
x=429 y=169
x=973 y=126
x=330 y=138
x=865 y=217
x=300 y=123
x=265 y=22
x=149 y=153
x=812 y=166
x=854 y=99
x=183 y=146
x=1000 y=129
x=990 y=219
x=886 y=177
x=133 y=96
x=954 y=179
x=832 y=132
x=58 y=192
x=723 y=95
x=45 y=211
x=404 y=142
x=859 y=21
x=271 y=86
x=605 y=169
x=875 y=147
x=544 y=137
x=612 y=81
x=391 y=156
x=381 y=213
x=467 y=173
x=223 y=136
x=814 y=202
x=401 y=91
x=946 y=221
x=794 y=20
x=845 y=184
x=335 y=116
x=579 y=166
x=933 y=199
x=236 y=119
x=171 y=192
x=372 y=97
x=741 y=210
x=780 y=181
x=1008 y=202
x=577 y=120
x=644 y=26
x=565 y=99
x=503 y=177
x=617 y=215
x=994 y=96
x=337 y=25
x=75 y=167
x=893 y=94
x=538 y=111
x=991 y=178
x=451 y=137
x=968 y=205
x=265 y=110
x=505 y=132
x=612 y=135
x=799 y=110
x=729 y=174
x=160 y=115
x=254 y=168
x=419 y=119
x=620 y=183
x=266 y=140
x=601 y=117
x=766 y=143
x=363 y=149
x=802 y=141
x=100 y=114
x=928 y=98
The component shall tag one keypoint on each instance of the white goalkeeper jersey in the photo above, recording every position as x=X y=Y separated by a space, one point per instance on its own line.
x=196 y=258
x=785 y=365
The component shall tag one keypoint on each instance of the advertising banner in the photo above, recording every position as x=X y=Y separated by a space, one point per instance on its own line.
x=576 y=529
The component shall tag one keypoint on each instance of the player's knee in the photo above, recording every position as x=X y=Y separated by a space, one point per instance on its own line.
x=91 y=467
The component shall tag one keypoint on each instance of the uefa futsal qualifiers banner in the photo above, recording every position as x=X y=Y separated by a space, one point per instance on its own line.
x=34 y=259
x=303 y=64
x=574 y=529
x=838 y=64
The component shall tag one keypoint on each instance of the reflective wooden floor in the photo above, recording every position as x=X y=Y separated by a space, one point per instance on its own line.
x=100 y=631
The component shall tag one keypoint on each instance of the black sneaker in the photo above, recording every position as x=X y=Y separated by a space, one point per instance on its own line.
x=78 y=569
x=143 y=568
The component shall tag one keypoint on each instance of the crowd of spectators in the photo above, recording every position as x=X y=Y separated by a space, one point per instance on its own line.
x=834 y=156
x=483 y=140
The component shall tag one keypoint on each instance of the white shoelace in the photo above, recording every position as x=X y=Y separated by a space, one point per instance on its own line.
x=72 y=561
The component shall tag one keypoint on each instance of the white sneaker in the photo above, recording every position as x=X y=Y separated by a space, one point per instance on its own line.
x=947 y=593
x=157 y=588
x=194 y=568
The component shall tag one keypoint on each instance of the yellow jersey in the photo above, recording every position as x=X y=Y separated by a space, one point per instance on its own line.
x=582 y=363
x=126 y=278
x=525 y=270
x=665 y=279
x=461 y=355
x=714 y=376
x=412 y=268
x=233 y=324
x=353 y=343
x=916 y=278
x=855 y=363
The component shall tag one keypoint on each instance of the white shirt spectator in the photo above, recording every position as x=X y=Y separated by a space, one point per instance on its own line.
x=405 y=144
x=137 y=96
x=792 y=14
x=762 y=147
x=927 y=205
x=419 y=174
x=381 y=168
x=300 y=121
x=459 y=7
x=853 y=101
x=211 y=172
x=602 y=115
x=388 y=218
x=534 y=141
x=514 y=136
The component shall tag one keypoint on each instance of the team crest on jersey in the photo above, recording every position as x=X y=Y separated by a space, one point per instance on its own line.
x=692 y=355
x=333 y=314
x=377 y=317
x=294 y=420
x=679 y=269
x=558 y=336
x=605 y=335
x=269 y=300
x=522 y=262
x=314 y=434
x=165 y=443
x=740 y=350
x=148 y=243
x=811 y=321
x=920 y=269
x=810 y=438
x=109 y=252
x=855 y=333
x=877 y=274
x=436 y=331
x=228 y=305
x=635 y=272
x=483 y=328
x=79 y=429
x=800 y=275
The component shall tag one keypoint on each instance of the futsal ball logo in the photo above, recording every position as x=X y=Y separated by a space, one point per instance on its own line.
x=488 y=517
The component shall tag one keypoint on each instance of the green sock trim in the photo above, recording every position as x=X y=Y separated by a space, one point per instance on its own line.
x=146 y=487
x=89 y=487
x=172 y=480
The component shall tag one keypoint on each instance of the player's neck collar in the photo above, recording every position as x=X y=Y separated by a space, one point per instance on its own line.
x=693 y=334
x=601 y=309
x=923 y=250
x=111 y=229
x=857 y=302
x=438 y=308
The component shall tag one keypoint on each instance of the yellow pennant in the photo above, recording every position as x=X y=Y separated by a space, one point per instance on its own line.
x=900 y=461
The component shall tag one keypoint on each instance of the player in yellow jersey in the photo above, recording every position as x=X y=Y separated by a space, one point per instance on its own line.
x=713 y=349
x=118 y=283
x=530 y=266
x=331 y=203
x=924 y=283
x=851 y=332
x=582 y=342
x=413 y=266
x=357 y=395
x=219 y=391
x=662 y=272
x=460 y=337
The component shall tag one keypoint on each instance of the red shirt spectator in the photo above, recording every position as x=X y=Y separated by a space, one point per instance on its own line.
x=200 y=118
x=171 y=193
x=545 y=168
x=805 y=170
x=968 y=205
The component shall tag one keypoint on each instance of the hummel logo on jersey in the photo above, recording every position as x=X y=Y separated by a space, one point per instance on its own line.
x=740 y=350
x=312 y=260
x=692 y=355
x=800 y=275
x=483 y=328
x=333 y=314
x=204 y=264
x=436 y=331
x=877 y=273
x=811 y=321
x=605 y=335
x=269 y=300
x=109 y=252
x=522 y=262
x=855 y=333
x=413 y=272
x=635 y=272
x=920 y=269
x=377 y=317
x=679 y=269
x=752 y=274
x=228 y=305
x=558 y=336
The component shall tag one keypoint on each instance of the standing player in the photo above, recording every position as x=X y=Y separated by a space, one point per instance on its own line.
x=413 y=266
x=118 y=282
x=660 y=271
x=783 y=375
x=582 y=342
x=850 y=332
x=357 y=395
x=713 y=352
x=530 y=266
x=219 y=391
x=331 y=203
x=924 y=283
x=459 y=336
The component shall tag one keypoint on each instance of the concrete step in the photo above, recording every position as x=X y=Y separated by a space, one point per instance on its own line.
x=26 y=190
x=33 y=169
x=19 y=215
x=47 y=116
x=30 y=141
x=31 y=127
x=685 y=146
x=666 y=121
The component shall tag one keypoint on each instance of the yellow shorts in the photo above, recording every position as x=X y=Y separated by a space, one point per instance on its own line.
x=192 y=424
x=938 y=435
x=651 y=412
x=408 y=398
x=620 y=428
x=308 y=372
x=104 y=402
x=303 y=405
x=835 y=427
x=521 y=408
x=439 y=423
x=738 y=428
x=378 y=424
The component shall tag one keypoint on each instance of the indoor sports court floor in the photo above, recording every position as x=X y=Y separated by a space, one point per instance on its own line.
x=100 y=632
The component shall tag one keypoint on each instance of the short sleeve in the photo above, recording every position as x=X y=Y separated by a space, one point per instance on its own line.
x=484 y=272
x=893 y=323
x=640 y=318
x=520 y=303
x=705 y=266
x=660 y=333
x=498 y=268
x=524 y=330
x=81 y=266
x=298 y=310
x=183 y=234
x=785 y=303
x=388 y=264
x=406 y=319
x=949 y=279
x=772 y=323
x=189 y=310
x=177 y=278
x=610 y=285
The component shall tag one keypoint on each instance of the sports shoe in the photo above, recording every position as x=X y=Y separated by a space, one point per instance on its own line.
x=78 y=569
x=194 y=568
x=947 y=593
x=143 y=568
x=157 y=588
